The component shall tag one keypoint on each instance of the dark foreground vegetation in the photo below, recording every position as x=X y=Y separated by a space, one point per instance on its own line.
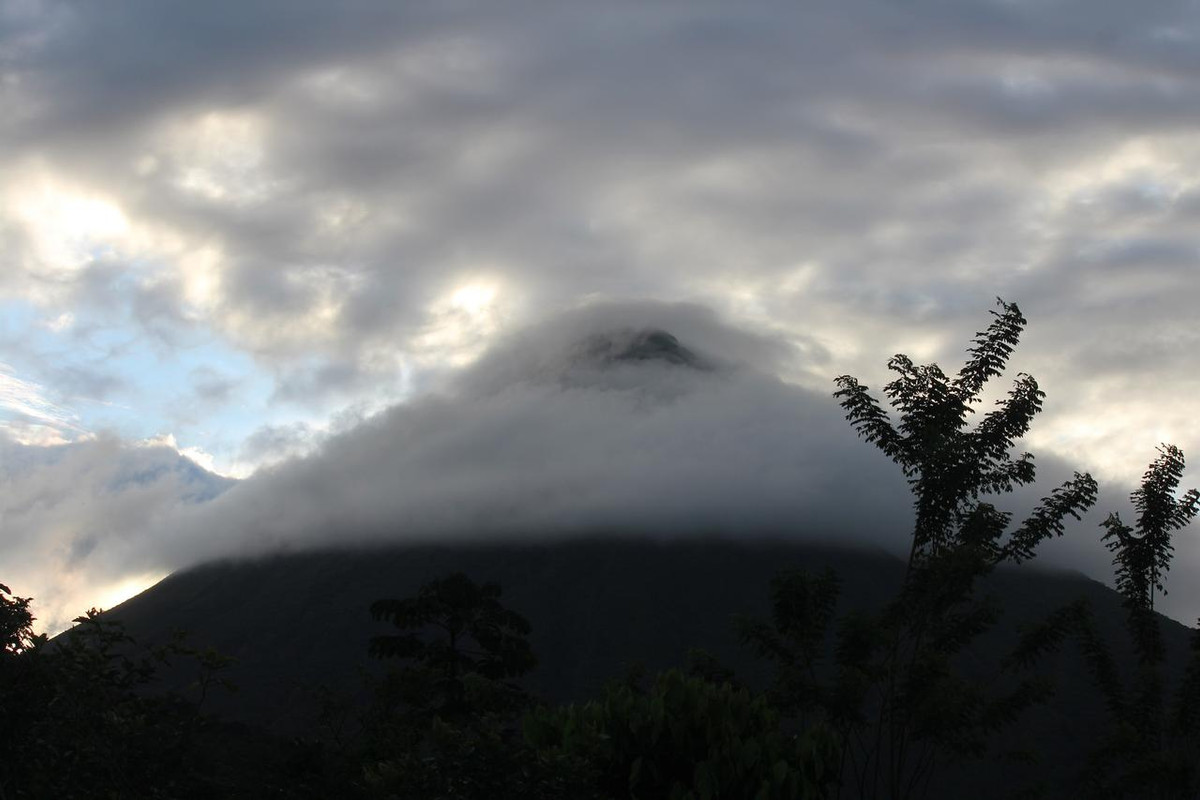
x=906 y=695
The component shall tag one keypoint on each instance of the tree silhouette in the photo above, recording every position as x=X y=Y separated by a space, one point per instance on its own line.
x=950 y=465
x=453 y=629
x=22 y=687
x=446 y=724
x=1151 y=751
x=895 y=699
x=76 y=719
x=1143 y=556
x=16 y=625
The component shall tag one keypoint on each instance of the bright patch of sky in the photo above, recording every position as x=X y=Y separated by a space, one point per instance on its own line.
x=76 y=377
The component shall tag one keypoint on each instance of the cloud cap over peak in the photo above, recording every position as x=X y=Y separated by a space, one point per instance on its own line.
x=550 y=435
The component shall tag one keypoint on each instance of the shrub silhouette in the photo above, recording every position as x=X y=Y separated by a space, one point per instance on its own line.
x=688 y=738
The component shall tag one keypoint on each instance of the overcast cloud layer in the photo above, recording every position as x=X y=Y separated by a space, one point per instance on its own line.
x=250 y=227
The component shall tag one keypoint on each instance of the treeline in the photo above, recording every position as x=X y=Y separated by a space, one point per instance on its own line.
x=864 y=704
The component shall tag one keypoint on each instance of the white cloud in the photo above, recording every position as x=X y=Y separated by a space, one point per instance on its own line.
x=591 y=421
x=548 y=436
x=26 y=410
x=73 y=518
x=580 y=425
x=360 y=198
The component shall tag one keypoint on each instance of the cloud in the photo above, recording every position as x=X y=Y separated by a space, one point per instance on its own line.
x=646 y=418
x=25 y=407
x=273 y=443
x=74 y=518
x=561 y=430
x=210 y=385
x=320 y=198
x=346 y=204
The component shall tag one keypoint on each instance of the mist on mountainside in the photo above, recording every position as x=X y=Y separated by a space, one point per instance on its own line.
x=648 y=418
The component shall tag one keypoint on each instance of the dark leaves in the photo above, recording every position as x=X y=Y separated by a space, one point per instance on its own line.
x=989 y=351
x=895 y=668
x=1149 y=750
x=453 y=631
x=949 y=464
x=1071 y=499
x=1142 y=556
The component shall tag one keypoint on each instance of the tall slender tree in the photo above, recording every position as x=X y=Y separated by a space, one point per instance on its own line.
x=1152 y=749
x=949 y=464
x=896 y=699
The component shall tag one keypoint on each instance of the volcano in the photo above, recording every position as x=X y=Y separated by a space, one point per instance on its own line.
x=598 y=607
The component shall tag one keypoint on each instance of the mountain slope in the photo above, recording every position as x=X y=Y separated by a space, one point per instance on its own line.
x=297 y=621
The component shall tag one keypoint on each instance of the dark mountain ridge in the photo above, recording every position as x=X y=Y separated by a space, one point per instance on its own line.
x=295 y=622
x=596 y=606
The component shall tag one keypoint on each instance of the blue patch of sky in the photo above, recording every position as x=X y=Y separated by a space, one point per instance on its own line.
x=145 y=386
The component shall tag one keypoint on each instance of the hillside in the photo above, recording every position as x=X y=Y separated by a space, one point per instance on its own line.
x=297 y=621
x=595 y=606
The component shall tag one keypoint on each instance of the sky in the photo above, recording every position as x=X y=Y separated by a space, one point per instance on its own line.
x=279 y=275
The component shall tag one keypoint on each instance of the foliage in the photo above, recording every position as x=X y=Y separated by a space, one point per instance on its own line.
x=481 y=759
x=1142 y=556
x=890 y=689
x=451 y=630
x=892 y=717
x=1153 y=747
x=950 y=465
x=21 y=685
x=445 y=723
x=16 y=626
x=687 y=738
x=78 y=722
